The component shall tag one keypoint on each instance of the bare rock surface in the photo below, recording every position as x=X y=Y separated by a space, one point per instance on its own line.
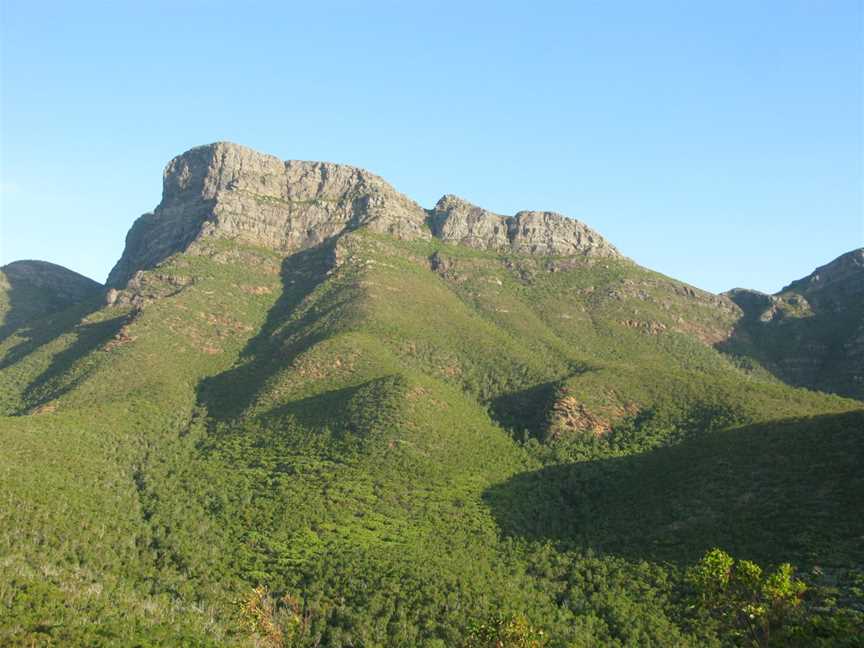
x=229 y=191
x=528 y=232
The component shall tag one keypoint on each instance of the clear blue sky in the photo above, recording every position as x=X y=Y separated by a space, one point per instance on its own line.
x=717 y=142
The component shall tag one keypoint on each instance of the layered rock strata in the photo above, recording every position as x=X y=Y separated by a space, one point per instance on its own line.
x=229 y=191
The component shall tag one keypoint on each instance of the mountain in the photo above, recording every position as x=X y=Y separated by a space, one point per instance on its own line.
x=810 y=333
x=231 y=192
x=32 y=289
x=306 y=411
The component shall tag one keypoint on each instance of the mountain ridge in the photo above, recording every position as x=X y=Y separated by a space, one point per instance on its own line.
x=227 y=190
x=811 y=332
x=231 y=192
x=30 y=289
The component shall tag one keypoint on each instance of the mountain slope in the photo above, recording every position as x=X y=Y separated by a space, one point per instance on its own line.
x=321 y=389
x=811 y=333
x=32 y=289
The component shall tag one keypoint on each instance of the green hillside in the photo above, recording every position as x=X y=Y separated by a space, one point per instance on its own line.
x=378 y=438
x=385 y=442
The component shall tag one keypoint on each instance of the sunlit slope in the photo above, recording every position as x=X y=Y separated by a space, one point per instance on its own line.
x=341 y=424
x=374 y=454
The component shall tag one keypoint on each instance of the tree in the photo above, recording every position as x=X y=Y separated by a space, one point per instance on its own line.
x=745 y=600
x=505 y=632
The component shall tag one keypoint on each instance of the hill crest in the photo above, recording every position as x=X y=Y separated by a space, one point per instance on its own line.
x=230 y=191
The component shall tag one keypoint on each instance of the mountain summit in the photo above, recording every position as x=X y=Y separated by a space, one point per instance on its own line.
x=233 y=192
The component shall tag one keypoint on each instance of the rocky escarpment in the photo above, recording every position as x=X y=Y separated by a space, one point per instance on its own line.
x=229 y=191
x=30 y=289
x=810 y=333
x=528 y=232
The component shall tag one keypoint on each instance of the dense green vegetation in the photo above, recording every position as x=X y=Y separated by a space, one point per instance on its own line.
x=381 y=443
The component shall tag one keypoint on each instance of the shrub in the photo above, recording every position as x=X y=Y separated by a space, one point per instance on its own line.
x=505 y=632
x=746 y=601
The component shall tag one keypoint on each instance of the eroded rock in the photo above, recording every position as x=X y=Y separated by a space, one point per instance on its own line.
x=228 y=191
x=528 y=232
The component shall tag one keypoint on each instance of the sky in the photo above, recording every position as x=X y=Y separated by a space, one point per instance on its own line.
x=721 y=143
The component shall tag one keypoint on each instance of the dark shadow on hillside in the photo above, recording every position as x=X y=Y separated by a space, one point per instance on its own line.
x=47 y=329
x=38 y=289
x=786 y=490
x=808 y=352
x=525 y=412
x=89 y=337
x=321 y=410
x=357 y=413
x=282 y=338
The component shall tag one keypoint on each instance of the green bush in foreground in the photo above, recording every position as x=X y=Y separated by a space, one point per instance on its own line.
x=747 y=602
x=503 y=631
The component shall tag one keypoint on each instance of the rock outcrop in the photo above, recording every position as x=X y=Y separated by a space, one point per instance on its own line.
x=528 y=232
x=753 y=303
x=229 y=191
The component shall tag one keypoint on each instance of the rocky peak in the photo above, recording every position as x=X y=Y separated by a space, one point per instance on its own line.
x=528 y=232
x=457 y=221
x=753 y=303
x=230 y=191
x=810 y=333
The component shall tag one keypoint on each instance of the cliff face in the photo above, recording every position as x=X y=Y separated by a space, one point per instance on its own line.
x=528 y=232
x=233 y=192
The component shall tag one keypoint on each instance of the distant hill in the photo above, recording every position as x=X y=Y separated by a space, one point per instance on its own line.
x=811 y=333
x=307 y=411
x=32 y=289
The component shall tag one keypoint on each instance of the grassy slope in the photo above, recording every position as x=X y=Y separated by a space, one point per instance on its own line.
x=347 y=435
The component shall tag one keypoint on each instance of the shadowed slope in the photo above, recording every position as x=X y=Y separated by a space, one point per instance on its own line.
x=788 y=488
x=32 y=289
x=811 y=333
